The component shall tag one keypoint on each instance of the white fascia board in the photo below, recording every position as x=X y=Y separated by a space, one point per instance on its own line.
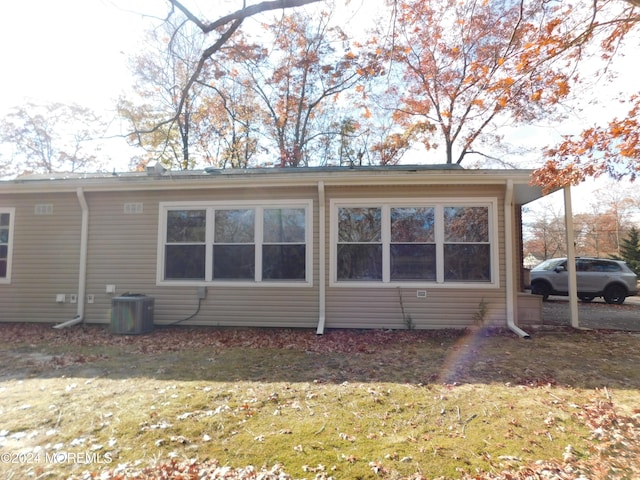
x=272 y=179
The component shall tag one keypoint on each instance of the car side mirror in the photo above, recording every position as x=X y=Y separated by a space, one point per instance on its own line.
x=559 y=269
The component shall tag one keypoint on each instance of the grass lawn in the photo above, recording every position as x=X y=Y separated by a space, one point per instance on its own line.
x=240 y=403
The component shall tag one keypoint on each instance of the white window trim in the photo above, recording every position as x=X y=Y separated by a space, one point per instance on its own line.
x=438 y=203
x=12 y=215
x=259 y=206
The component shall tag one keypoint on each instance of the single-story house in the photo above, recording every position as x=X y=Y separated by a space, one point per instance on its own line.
x=425 y=247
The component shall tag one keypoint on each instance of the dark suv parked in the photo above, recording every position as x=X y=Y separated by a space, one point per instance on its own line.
x=596 y=277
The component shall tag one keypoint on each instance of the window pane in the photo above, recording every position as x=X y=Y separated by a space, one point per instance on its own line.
x=413 y=262
x=4 y=219
x=234 y=262
x=284 y=225
x=360 y=262
x=235 y=226
x=603 y=266
x=359 y=224
x=3 y=269
x=466 y=224
x=184 y=262
x=467 y=263
x=412 y=225
x=283 y=262
x=186 y=226
x=4 y=235
x=4 y=251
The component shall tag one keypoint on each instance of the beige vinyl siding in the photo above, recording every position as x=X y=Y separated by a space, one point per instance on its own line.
x=45 y=259
x=243 y=306
x=441 y=308
x=379 y=306
x=123 y=252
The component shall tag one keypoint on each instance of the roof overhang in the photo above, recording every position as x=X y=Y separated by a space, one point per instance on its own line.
x=523 y=191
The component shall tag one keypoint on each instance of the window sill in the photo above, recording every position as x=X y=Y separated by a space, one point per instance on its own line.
x=421 y=285
x=236 y=283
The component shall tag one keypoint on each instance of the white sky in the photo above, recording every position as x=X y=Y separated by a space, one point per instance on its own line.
x=72 y=51
x=68 y=50
x=76 y=51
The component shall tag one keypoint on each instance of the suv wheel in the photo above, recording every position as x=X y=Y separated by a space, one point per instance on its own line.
x=615 y=294
x=541 y=288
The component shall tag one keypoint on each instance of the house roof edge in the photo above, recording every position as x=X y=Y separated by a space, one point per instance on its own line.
x=271 y=177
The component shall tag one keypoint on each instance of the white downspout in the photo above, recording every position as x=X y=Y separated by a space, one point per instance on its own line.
x=511 y=293
x=82 y=274
x=321 y=260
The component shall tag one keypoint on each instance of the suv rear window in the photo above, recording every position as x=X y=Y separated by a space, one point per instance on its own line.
x=604 y=266
x=550 y=264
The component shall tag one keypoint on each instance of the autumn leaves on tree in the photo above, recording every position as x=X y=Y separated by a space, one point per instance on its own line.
x=294 y=87
x=468 y=67
x=448 y=76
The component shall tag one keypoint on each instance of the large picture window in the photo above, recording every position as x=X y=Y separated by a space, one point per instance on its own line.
x=359 y=244
x=234 y=247
x=284 y=246
x=467 y=251
x=6 y=243
x=413 y=243
x=244 y=243
x=185 y=249
x=400 y=242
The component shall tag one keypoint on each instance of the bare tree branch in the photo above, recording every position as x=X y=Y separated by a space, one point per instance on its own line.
x=236 y=19
x=240 y=14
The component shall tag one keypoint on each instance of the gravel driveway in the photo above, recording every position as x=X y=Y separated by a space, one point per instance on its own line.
x=597 y=314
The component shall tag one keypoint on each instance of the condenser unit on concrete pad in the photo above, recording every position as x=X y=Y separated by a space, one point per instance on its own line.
x=132 y=314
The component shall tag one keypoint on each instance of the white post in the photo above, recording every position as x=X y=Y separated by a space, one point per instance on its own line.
x=571 y=258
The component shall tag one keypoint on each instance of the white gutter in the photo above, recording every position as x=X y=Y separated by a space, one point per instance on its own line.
x=267 y=178
x=82 y=274
x=511 y=292
x=321 y=260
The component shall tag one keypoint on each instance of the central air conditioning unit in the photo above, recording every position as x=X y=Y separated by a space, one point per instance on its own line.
x=132 y=314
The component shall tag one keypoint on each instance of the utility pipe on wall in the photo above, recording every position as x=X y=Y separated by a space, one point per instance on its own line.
x=82 y=273
x=321 y=260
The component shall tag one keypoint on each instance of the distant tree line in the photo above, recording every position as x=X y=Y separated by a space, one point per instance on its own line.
x=609 y=229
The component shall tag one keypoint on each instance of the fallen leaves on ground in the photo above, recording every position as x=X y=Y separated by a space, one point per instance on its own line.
x=614 y=446
x=188 y=470
x=169 y=339
x=615 y=454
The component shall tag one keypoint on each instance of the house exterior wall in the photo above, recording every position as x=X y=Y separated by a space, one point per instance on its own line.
x=45 y=258
x=442 y=306
x=123 y=251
